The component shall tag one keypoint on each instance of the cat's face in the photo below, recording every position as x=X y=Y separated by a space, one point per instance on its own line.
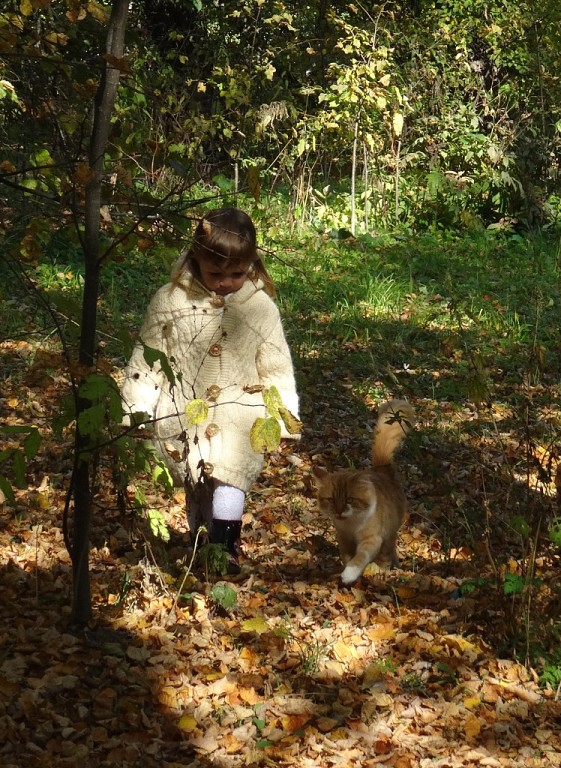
x=344 y=494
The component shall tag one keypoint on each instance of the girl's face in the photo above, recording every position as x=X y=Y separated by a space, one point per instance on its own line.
x=224 y=278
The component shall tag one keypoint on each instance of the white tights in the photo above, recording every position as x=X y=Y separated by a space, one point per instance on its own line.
x=227 y=502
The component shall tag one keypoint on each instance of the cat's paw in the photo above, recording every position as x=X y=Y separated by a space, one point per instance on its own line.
x=350 y=574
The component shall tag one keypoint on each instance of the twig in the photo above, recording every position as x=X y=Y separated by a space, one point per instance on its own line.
x=201 y=530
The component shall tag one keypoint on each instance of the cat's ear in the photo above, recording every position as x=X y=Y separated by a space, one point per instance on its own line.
x=319 y=474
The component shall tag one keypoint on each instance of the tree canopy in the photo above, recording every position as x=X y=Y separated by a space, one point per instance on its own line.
x=442 y=113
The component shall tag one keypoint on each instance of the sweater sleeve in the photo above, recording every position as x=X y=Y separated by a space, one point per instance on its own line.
x=141 y=388
x=274 y=365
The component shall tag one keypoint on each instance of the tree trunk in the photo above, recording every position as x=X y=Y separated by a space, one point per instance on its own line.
x=81 y=478
x=353 y=180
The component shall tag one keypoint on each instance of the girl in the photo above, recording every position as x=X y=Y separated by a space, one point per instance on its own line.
x=221 y=335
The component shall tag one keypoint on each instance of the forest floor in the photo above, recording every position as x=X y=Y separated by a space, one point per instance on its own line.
x=282 y=668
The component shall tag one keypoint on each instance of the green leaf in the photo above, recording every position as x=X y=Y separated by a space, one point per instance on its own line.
x=224 y=595
x=520 y=525
x=555 y=533
x=265 y=435
x=19 y=467
x=7 y=490
x=161 y=474
x=139 y=499
x=31 y=443
x=196 y=411
x=94 y=387
x=158 y=524
x=41 y=158
x=514 y=584
x=263 y=743
x=91 y=420
x=152 y=356
x=16 y=430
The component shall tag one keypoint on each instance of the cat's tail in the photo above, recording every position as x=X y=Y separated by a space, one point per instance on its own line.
x=395 y=419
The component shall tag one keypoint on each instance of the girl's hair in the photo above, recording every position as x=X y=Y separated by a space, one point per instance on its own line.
x=225 y=235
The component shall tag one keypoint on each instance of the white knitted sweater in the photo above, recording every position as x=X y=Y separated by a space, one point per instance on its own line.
x=218 y=349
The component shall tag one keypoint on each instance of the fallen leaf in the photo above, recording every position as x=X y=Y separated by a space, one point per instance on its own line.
x=258 y=625
x=281 y=529
x=472 y=727
x=187 y=723
x=292 y=723
x=249 y=696
x=472 y=702
x=381 y=632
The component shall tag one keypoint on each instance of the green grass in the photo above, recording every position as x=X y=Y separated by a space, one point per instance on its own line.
x=476 y=311
x=465 y=313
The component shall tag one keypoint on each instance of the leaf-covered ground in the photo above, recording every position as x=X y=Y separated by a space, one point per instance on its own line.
x=285 y=667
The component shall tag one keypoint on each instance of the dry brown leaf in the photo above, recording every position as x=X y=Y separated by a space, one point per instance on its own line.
x=381 y=632
x=249 y=696
x=292 y=723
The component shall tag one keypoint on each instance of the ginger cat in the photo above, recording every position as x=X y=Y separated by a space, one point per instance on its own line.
x=368 y=506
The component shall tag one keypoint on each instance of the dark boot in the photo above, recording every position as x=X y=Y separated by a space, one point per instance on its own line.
x=228 y=533
x=199 y=506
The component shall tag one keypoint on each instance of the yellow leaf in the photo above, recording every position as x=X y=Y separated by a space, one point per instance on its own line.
x=187 y=723
x=257 y=625
x=339 y=734
x=397 y=123
x=265 y=434
x=196 y=411
x=342 y=651
x=281 y=529
x=98 y=11
x=335 y=666
x=372 y=569
x=472 y=727
x=457 y=643
x=42 y=501
x=25 y=7
x=472 y=702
